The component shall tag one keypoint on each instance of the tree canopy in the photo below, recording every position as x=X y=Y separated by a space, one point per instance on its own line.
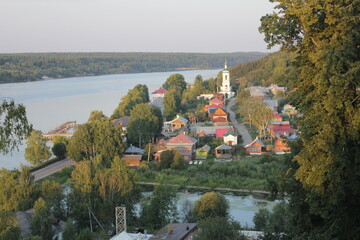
x=177 y=82
x=37 y=151
x=14 y=126
x=325 y=37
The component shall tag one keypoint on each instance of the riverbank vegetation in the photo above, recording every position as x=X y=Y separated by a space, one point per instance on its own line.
x=39 y=66
x=251 y=173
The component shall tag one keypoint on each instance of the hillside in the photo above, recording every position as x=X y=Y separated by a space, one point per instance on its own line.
x=274 y=68
x=35 y=66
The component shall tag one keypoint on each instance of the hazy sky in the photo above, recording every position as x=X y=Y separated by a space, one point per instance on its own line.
x=132 y=25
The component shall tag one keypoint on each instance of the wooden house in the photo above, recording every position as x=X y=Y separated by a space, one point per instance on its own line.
x=193 y=119
x=175 y=124
x=123 y=122
x=278 y=129
x=220 y=117
x=281 y=146
x=255 y=147
x=223 y=151
x=184 y=144
x=212 y=106
x=202 y=153
x=132 y=156
x=159 y=145
x=231 y=137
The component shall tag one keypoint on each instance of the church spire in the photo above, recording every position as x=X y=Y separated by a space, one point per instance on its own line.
x=225 y=64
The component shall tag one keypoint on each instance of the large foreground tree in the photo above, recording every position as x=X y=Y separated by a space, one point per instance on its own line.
x=326 y=37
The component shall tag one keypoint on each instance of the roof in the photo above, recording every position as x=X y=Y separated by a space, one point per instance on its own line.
x=133 y=149
x=220 y=112
x=231 y=132
x=256 y=140
x=180 y=231
x=213 y=106
x=216 y=101
x=124 y=121
x=205 y=147
x=220 y=119
x=276 y=116
x=221 y=131
x=281 y=129
x=180 y=118
x=224 y=147
x=160 y=91
x=182 y=138
x=210 y=130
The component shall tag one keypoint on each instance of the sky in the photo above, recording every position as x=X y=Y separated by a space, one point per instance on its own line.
x=132 y=25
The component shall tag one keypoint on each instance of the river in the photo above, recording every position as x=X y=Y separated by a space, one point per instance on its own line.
x=50 y=103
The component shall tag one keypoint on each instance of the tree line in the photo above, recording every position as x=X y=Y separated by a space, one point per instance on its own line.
x=36 y=66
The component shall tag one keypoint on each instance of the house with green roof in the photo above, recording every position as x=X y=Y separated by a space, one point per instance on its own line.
x=231 y=137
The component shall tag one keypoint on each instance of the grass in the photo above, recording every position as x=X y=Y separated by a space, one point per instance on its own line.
x=249 y=173
x=61 y=176
x=252 y=130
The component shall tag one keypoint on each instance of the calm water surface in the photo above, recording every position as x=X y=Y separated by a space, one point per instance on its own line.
x=52 y=102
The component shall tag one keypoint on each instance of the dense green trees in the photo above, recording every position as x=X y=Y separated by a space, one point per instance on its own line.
x=175 y=81
x=144 y=124
x=14 y=126
x=211 y=204
x=34 y=66
x=161 y=209
x=171 y=158
x=36 y=151
x=325 y=37
x=97 y=137
x=139 y=94
x=172 y=104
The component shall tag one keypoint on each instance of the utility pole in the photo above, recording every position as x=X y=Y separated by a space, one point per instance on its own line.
x=120 y=218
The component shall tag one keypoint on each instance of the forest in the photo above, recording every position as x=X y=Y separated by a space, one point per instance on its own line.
x=39 y=66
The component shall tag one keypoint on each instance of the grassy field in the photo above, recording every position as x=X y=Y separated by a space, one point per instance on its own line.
x=251 y=173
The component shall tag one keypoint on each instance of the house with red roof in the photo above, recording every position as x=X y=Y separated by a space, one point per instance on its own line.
x=212 y=106
x=282 y=129
x=221 y=131
x=160 y=93
x=182 y=143
x=216 y=101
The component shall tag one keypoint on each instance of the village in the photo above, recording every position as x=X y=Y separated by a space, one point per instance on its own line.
x=190 y=136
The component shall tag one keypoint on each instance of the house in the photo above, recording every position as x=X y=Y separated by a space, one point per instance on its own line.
x=212 y=106
x=223 y=151
x=276 y=118
x=272 y=104
x=176 y=231
x=231 y=137
x=257 y=91
x=221 y=131
x=159 y=145
x=158 y=102
x=220 y=115
x=255 y=147
x=216 y=101
x=160 y=93
x=181 y=140
x=221 y=121
x=281 y=146
x=132 y=160
x=175 y=124
x=219 y=96
x=132 y=156
x=277 y=130
x=123 y=122
x=157 y=155
x=275 y=89
x=289 y=110
x=182 y=143
x=202 y=153
x=131 y=236
x=211 y=130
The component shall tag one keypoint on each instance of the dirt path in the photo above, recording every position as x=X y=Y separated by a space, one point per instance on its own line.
x=239 y=126
x=52 y=168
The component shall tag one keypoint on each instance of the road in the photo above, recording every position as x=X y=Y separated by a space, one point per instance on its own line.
x=52 y=168
x=239 y=126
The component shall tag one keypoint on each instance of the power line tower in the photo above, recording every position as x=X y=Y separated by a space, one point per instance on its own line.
x=120 y=218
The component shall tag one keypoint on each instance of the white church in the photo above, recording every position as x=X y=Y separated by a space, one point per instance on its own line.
x=225 y=88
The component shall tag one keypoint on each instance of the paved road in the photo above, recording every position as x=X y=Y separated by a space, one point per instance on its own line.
x=52 y=168
x=239 y=126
